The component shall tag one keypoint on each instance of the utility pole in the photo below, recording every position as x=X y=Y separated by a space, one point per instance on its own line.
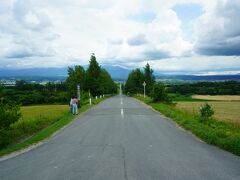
x=78 y=92
x=144 y=88
x=120 y=89
x=78 y=95
x=90 y=100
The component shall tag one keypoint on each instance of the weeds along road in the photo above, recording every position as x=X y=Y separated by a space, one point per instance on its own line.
x=122 y=139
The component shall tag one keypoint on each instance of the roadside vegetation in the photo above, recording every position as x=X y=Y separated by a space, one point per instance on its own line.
x=215 y=122
x=219 y=133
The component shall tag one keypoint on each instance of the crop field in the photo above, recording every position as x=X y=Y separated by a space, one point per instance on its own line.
x=47 y=111
x=224 y=110
x=218 y=97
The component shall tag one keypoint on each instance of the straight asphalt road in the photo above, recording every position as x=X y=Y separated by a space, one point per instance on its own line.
x=122 y=139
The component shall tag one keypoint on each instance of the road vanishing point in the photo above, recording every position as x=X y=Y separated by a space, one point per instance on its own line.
x=122 y=139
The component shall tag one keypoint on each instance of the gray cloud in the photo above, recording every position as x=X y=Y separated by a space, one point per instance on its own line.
x=26 y=53
x=156 y=54
x=137 y=40
x=221 y=48
x=19 y=54
x=219 y=32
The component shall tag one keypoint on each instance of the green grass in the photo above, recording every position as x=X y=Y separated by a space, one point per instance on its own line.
x=50 y=111
x=222 y=134
x=39 y=123
x=179 y=97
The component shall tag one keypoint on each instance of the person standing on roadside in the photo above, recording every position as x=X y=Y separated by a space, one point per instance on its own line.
x=71 y=104
x=75 y=106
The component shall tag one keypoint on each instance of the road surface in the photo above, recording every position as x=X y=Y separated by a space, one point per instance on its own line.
x=122 y=139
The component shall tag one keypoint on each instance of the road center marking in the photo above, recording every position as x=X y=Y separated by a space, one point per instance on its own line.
x=122 y=113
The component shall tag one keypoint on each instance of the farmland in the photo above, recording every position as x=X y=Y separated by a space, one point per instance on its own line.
x=217 y=97
x=228 y=109
x=48 y=111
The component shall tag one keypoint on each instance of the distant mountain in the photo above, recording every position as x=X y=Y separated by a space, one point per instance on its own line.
x=199 y=78
x=116 y=72
x=43 y=72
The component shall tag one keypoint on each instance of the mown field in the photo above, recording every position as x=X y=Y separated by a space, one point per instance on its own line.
x=34 y=119
x=224 y=110
x=48 y=111
x=218 y=97
x=226 y=107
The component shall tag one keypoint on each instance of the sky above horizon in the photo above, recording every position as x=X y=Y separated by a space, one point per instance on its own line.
x=173 y=36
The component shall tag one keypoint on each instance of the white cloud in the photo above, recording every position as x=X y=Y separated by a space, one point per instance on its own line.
x=65 y=32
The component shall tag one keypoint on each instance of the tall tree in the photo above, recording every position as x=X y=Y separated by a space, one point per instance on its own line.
x=93 y=73
x=107 y=84
x=76 y=76
x=148 y=78
x=134 y=82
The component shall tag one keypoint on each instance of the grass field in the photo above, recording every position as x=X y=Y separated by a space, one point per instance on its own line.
x=49 y=111
x=217 y=98
x=225 y=111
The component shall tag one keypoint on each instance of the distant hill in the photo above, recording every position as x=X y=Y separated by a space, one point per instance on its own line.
x=43 y=72
x=116 y=72
x=199 y=78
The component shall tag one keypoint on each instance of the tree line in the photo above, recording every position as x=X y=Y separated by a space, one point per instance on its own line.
x=206 y=88
x=159 y=91
x=26 y=93
x=135 y=80
x=136 y=77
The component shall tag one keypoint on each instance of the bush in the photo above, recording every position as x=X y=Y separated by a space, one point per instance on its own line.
x=9 y=113
x=159 y=93
x=206 y=111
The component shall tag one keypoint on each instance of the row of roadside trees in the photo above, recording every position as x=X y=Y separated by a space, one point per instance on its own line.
x=134 y=84
x=95 y=79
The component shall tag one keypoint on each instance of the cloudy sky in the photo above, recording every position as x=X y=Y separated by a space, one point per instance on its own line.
x=174 y=36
